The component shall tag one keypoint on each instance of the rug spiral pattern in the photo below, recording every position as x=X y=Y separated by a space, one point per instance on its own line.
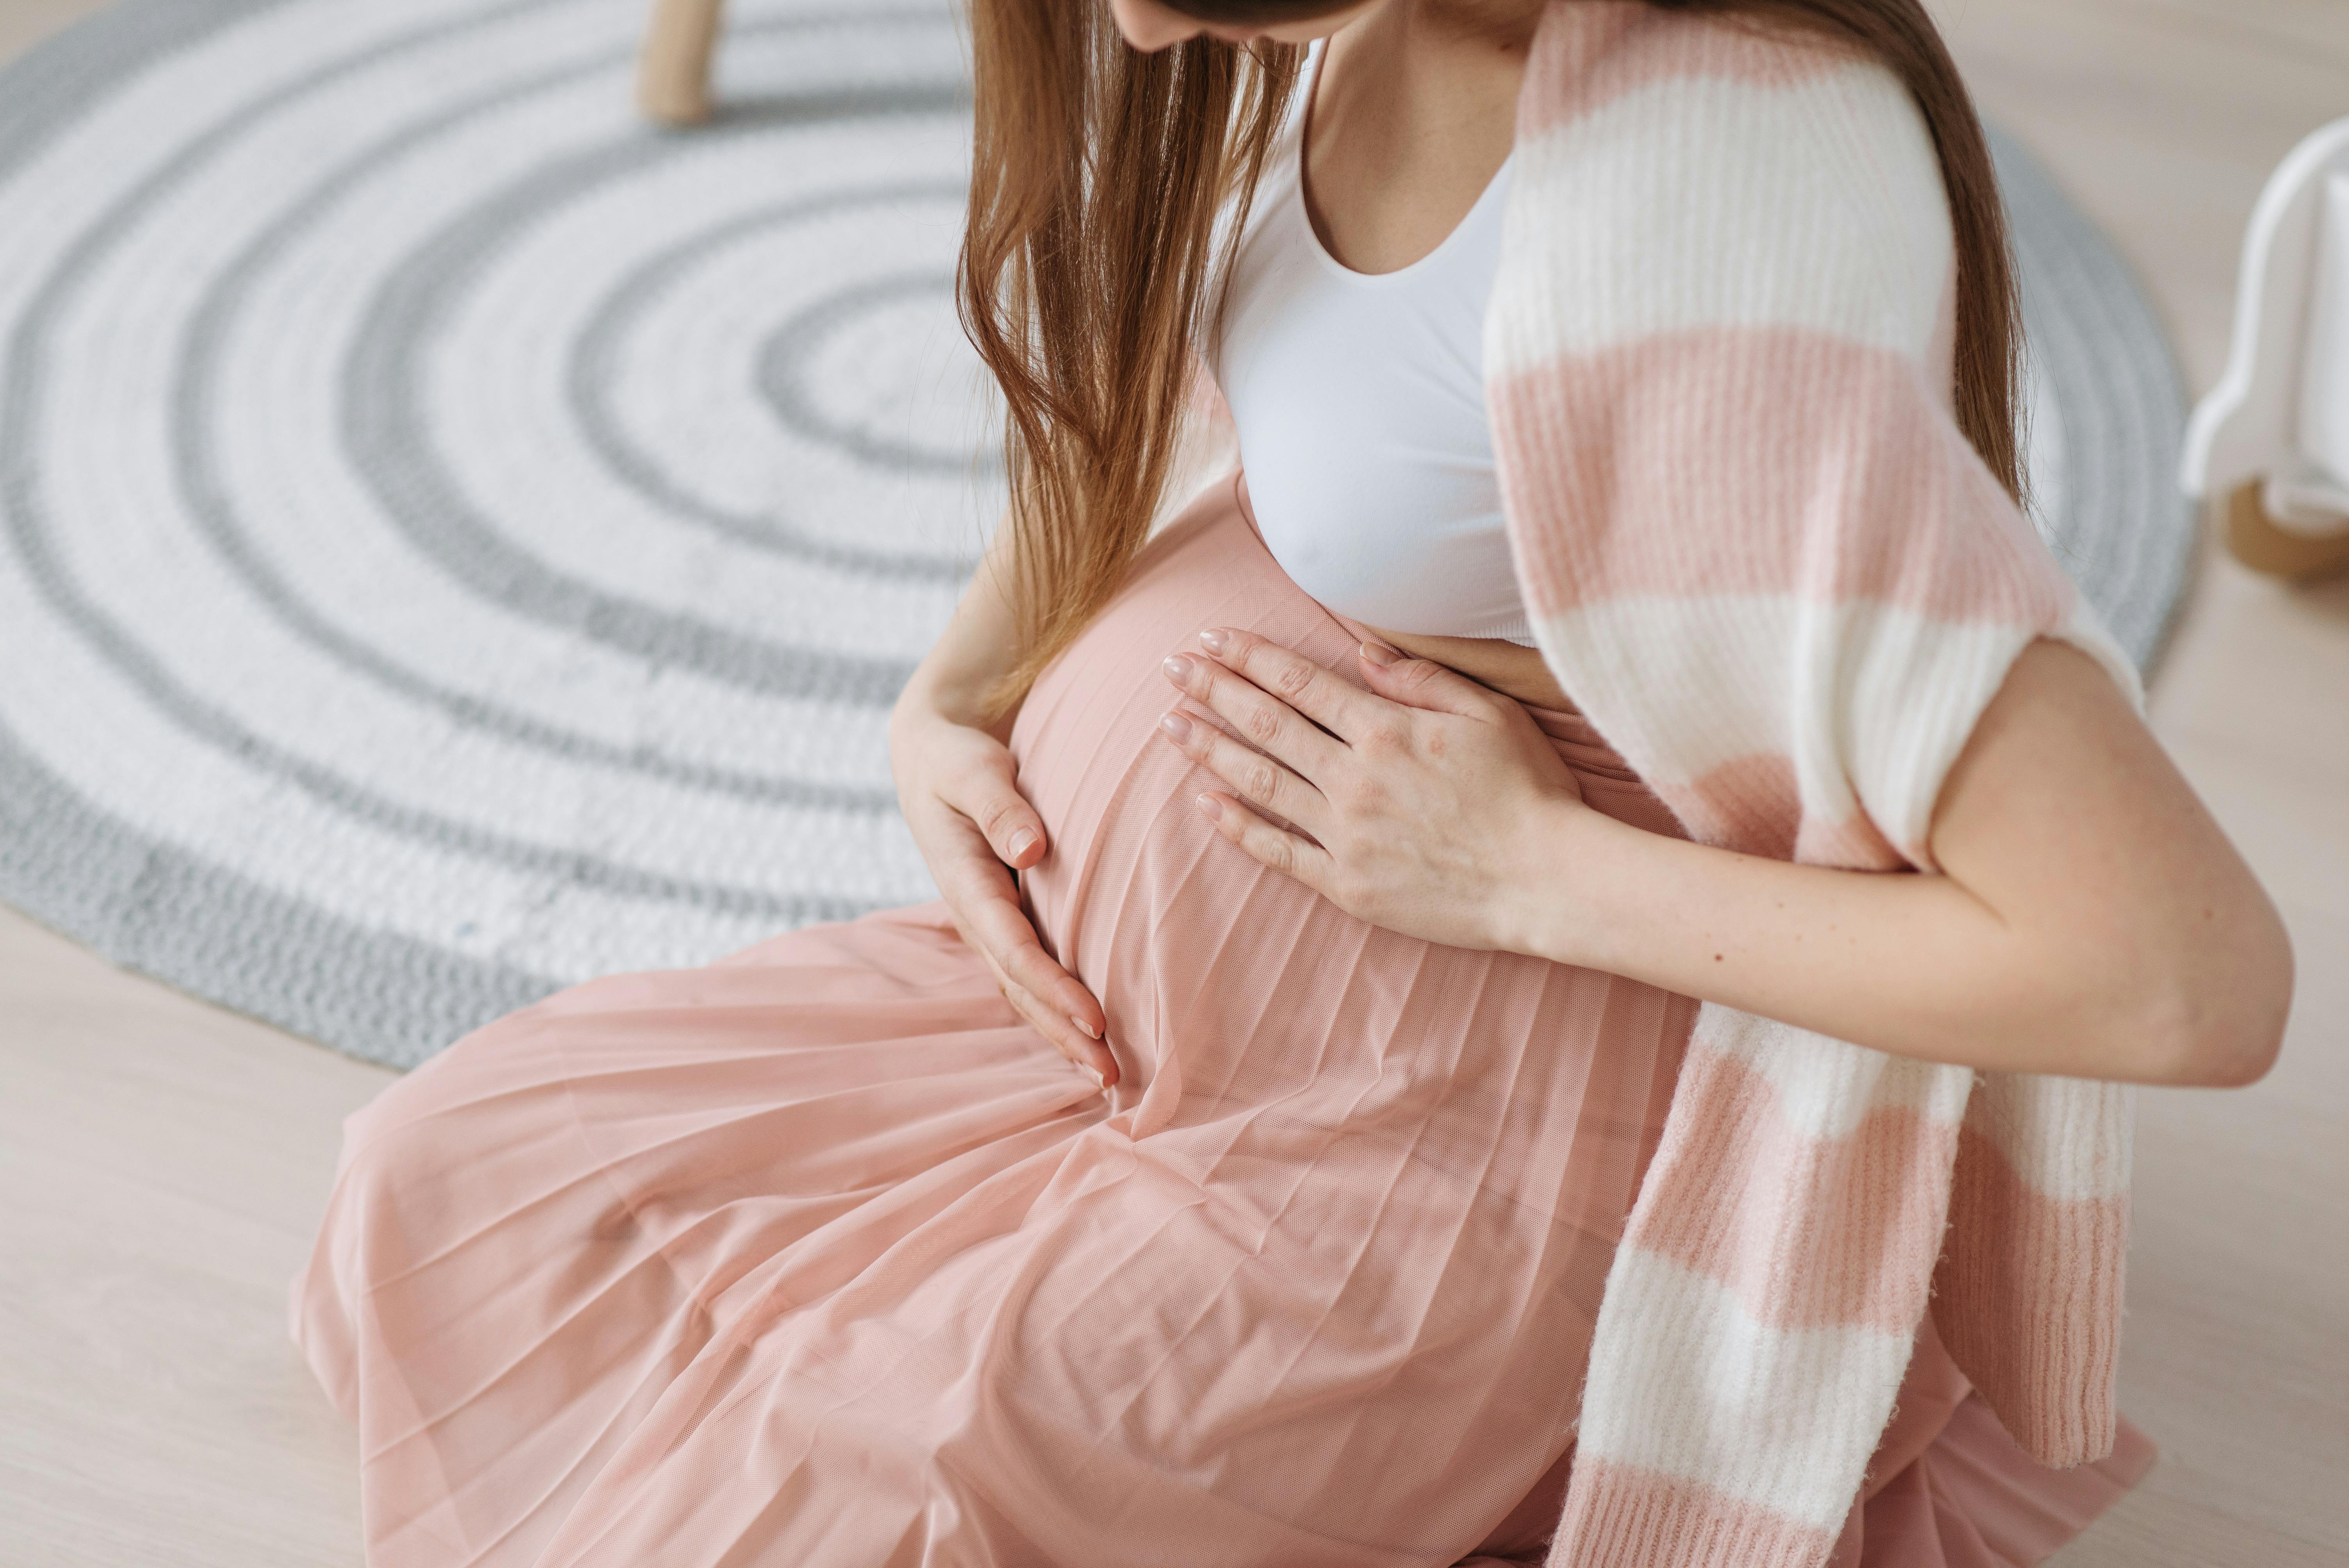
x=456 y=540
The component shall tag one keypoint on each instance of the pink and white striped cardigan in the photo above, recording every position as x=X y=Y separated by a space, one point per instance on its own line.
x=1761 y=557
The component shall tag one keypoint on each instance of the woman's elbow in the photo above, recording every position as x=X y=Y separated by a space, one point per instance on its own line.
x=2219 y=1007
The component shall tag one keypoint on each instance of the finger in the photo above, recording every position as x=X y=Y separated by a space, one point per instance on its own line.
x=1003 y=933
x=1280 y=851
x=978 y=889
x=1092 y=1058
x=1422 y=683
x=1335 y=704
x=1075 y=1048
x=1262 y=719
x=1059 y=1031
x=1258 y=778
x=990 y=797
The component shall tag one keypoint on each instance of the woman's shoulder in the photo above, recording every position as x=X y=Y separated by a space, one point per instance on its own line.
x=1590 y=56
x=1750 y=171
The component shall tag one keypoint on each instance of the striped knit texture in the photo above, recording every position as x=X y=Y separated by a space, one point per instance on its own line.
x=1760 y=555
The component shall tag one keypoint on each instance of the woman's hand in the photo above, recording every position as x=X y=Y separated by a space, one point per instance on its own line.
x=956 y=784
x=1419 y=794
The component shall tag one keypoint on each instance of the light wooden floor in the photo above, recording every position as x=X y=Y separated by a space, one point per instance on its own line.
x=163 y=1162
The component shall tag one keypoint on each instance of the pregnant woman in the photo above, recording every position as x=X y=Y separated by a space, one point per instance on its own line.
x=1498 y=973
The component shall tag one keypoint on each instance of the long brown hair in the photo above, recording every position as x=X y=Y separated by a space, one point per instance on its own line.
x=1091 y=262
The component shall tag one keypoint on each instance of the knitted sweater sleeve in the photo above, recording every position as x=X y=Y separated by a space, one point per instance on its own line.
x=1748 y=525
x=1760 y=555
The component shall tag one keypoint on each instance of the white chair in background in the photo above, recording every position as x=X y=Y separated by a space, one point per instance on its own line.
x=2269 y=448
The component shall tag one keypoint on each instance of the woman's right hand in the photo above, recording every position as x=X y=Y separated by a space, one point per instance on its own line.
x=957 y=786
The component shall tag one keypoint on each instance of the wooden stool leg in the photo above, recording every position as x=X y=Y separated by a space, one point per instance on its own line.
x=2254 y=539
x=673 y=71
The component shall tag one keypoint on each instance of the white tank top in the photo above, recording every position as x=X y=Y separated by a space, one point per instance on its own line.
x=1359 y=403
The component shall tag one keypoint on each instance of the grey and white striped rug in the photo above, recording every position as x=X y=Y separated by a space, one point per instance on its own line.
x=456 y=540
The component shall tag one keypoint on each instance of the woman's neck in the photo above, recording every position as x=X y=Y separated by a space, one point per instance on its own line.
x=1413 y=110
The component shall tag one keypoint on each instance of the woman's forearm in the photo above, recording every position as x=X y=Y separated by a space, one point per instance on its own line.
x=2093 y=919
x=1913 y=965
x=979 y=646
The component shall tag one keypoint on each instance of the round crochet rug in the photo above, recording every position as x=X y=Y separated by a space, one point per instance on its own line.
x=456 y=540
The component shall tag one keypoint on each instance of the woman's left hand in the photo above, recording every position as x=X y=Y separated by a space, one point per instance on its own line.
x=1429 y=798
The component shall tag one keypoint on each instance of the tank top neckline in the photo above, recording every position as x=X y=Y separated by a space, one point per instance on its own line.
x=1300 y=213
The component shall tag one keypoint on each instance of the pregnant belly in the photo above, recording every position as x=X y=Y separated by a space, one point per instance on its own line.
x=1369 y=1186
x=1233 y=991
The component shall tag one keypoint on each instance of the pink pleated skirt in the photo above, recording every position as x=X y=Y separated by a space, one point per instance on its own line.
x=819 y=1257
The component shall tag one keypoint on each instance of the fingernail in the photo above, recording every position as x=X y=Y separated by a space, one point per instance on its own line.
x=1178 y=668
x=1086 y=1030
x=1212 y=641
x=1099 y=1082
x=1378 y=654
x=1177 y=727
x=1212 y=807
x=1020 y=842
